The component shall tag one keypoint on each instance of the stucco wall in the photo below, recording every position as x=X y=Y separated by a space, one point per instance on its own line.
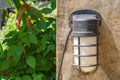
x=109 y=47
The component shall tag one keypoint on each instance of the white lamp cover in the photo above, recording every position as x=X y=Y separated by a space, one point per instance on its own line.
x=84 y=51
x=85 y=24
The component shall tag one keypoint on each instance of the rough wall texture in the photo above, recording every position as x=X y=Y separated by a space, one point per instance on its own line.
x=109 y=47
x=3 y=4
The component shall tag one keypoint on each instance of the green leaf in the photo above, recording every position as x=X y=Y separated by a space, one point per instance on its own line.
x=9 y=41
x=50 y=47
x=1 y=49
x=43 y=43
x=45 y=64
x=46 y=67
x=43 y=24
x=30 y=70
x=8 y=64
x=26 y=77
x=33 y=39
x=9 y=2
x=2 y=58
x=53 y=4
x=18 y=51
x=11 y=51
x=22 y=34
x=38 y=76
x=46 y=10
x=26 y=40
x=12 y=76
x=17 y=4
x=31 y=61
x=15 y=51
x=11 y=33
x=18 y=78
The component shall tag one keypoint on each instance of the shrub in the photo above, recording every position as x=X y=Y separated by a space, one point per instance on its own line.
x=28 y=53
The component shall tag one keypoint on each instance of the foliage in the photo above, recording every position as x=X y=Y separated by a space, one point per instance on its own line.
x=25 y=53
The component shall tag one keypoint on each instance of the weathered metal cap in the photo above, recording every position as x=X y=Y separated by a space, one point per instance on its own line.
x=85 y=22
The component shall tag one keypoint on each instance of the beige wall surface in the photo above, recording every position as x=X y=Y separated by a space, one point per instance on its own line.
x=109 y=48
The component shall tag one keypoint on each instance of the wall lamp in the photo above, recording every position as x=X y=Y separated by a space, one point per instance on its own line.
x=85 y=25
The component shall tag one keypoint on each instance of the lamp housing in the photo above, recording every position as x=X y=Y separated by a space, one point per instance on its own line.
x=85 y=25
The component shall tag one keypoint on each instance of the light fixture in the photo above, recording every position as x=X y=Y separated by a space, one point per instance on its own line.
x=85 y=24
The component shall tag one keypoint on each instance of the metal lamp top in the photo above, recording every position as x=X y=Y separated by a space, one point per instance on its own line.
x=84 y=17
x=85 y=22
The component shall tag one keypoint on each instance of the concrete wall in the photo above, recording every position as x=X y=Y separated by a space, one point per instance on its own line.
x=109 y=47
x=3 y=4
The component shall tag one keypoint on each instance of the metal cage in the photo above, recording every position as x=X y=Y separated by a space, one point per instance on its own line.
x=85 y=25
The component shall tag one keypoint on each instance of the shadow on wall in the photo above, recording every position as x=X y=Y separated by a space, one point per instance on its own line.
x=109 y=55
